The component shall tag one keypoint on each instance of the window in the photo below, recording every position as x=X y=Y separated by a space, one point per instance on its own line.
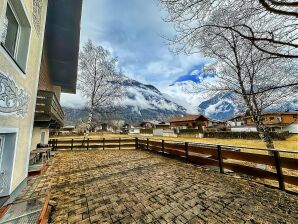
x=16 y=33
x=271 y=118
x=12 y=29
x=295 y=116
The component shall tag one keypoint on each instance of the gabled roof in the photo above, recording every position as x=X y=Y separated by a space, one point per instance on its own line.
x=188 y=118
x=276 y=113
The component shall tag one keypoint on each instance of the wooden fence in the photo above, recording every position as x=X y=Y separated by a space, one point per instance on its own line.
x=119 y=143
x=223 y=157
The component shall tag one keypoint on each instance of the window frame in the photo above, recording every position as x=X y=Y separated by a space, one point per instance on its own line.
x=17 y=41
x=24 y=25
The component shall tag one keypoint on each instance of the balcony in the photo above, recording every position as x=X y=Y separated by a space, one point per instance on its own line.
x=48 y=111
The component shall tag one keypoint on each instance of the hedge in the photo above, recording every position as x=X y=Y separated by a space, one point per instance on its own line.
x=146 y=131
x=189 y=131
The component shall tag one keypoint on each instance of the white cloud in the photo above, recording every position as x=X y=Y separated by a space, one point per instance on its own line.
x=131 y=30
x=73 y=100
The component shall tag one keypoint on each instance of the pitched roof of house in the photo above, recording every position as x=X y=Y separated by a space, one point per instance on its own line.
x=276 y=113
x=187 y=118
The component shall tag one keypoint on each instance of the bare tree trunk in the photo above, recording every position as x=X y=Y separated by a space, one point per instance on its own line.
x=264 y=134
x=90 y=118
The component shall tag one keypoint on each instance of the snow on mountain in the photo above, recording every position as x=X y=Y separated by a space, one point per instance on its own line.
x=147 y=102
x=221 y=106
x=182 y=91
x=139 y=102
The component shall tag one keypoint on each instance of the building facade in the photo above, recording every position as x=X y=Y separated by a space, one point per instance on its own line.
x=189 y=122
x=58 y=67
x=22 y=26
x=275 y=121
x=32 y=59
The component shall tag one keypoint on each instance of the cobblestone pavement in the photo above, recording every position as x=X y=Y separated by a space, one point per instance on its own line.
x=128 y=186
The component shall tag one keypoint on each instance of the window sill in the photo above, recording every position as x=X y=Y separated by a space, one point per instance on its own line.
x=14 y=60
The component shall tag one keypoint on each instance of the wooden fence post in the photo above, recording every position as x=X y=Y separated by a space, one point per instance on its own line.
x=119 y=143
x=53 y=143
x=103 y=144
x=56 y=146
x=137 y=143
x=71 y=144
x=279 y=173
x=186 y=150
x=219 y=157
x=163 y=147
x=87 y=143
x=147 y=143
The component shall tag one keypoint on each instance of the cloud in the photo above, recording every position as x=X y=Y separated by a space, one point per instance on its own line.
x=132 y=30
x=73 y=100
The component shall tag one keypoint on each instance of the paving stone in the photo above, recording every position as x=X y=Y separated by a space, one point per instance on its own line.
x=128 y=186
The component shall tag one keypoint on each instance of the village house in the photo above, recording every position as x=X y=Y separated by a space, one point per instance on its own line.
x=24 y=43
x=58 y=68
x=278 y=121
x=155 y=125
x=189 y=122
x=236 y=122
x=215 y=125
x=275 y=121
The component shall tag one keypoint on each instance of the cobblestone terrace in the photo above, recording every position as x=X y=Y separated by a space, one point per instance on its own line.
x=140 y=187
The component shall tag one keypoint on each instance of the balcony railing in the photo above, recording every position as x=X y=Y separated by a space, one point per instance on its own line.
x=48 y=111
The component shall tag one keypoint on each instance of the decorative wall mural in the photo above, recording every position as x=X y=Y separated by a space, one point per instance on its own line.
x=37 y=8
x=13 y=99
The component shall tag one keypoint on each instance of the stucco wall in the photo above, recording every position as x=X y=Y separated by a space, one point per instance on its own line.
x=36 y=136
x=28 y=82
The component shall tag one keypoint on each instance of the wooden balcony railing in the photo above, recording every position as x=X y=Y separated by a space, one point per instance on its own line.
x=48 y=111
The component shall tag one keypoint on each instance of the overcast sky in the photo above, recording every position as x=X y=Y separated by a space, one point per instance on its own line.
x=132 y=30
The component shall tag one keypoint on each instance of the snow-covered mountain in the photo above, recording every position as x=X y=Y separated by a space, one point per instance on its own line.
x=140 y=102
x=143 y=102
x=221 y=106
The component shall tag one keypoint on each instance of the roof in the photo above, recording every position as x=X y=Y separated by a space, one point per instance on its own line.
x=277 y=113
x=62 y=39
x=187 y=118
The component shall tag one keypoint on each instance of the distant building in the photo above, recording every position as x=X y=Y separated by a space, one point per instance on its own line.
x=155 y=125
x=278 y=121
x=126 y=128
x=275 y=121
x=189 y=122
x=236 y=122
x=215 y=125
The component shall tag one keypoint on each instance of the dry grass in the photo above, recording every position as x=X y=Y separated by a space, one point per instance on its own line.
x=291 y=144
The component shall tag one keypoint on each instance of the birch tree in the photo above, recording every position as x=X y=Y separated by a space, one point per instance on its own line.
x=260 y=72
x=270 y=25
x=257 y=80
x=99 y=80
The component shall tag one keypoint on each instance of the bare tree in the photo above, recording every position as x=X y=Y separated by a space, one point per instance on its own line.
x=270 y=25
x=258 y=80
x=99 y=80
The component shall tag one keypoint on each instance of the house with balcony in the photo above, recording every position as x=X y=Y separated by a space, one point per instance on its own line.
x=36 y=64
x=58 y=67
x=189 y=122
x=275 y=121
x=278 y=121
x=21 y=41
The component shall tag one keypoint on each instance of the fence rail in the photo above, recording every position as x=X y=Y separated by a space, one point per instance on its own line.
x=224 y=157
